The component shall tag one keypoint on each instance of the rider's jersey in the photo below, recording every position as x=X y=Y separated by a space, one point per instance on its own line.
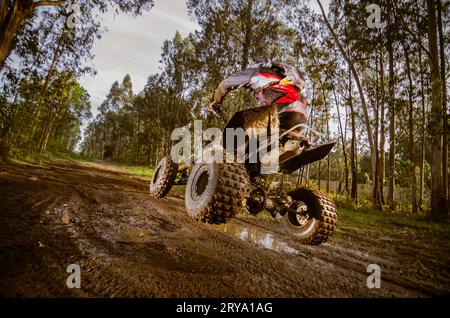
x=272 y=83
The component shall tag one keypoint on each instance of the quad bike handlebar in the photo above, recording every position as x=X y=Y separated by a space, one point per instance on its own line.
x=216 y=112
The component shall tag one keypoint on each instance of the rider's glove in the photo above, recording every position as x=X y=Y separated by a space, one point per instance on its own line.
x=215 y=107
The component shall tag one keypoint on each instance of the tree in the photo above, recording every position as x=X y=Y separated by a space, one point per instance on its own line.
x=445 y=116
x=13 y=13
x=392 y=112
x=391 y=70
x=438 y=208
x=358 y=85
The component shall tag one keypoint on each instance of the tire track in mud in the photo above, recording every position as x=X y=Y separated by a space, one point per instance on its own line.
x=130 y=245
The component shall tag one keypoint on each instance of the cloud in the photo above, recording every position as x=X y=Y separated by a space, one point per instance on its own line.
x=132 y=45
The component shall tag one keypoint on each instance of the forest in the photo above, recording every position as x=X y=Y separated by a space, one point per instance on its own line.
x=380 y=90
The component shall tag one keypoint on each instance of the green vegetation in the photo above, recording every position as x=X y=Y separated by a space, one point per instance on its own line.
x=376 y=219
x=43 y=157
x=361 y=218
x=42 y=104
x=140 y=171
x=350 y=215
x=367 y=89
x=381 y=92
x=266 y=216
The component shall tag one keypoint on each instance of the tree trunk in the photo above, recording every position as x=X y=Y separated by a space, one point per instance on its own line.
x=437 y=189
x=248 y=35
x=46 y=132
x=327 y=183
x=391 y=166
x=376 y=193
x=54 y=113
x=343 y=141
x=41 y=98
x=328 y=158
x=11 y=122
x=423 y=128
x=411 y=132
x=360 y=90
x=445 y=171
x=319 y=174
x=12 y=15
x=382 y=132
x=353 y=151
x=311 y=120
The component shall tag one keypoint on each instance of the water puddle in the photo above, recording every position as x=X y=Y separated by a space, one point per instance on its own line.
x=132 y=234
x=258 y=236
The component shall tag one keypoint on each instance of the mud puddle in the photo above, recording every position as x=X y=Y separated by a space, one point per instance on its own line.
x=132 y=234
x=253 y=234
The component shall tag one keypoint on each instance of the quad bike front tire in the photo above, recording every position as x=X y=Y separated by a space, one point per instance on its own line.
x=215 y=191
x=164 y=177
x=316 y=223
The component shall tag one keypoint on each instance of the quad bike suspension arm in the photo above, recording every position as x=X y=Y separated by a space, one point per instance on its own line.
x=277 y=202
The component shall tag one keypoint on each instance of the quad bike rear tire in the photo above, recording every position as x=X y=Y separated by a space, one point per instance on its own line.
x=164 y=177
x=215 y=191
x=318 y=224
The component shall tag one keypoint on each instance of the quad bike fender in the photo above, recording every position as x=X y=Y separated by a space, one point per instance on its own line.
x=292 y=163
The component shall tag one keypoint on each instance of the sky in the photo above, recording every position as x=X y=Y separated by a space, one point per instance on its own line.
x=132 y=45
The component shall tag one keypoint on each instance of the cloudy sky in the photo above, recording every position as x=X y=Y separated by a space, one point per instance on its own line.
x=133 y=45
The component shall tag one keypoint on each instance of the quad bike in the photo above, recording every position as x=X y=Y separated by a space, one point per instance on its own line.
x=216 y=191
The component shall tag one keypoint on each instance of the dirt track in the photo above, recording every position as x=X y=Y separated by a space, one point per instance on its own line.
x=130 y=245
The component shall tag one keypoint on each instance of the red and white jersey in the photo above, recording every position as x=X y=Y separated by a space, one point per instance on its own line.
x=272 y=83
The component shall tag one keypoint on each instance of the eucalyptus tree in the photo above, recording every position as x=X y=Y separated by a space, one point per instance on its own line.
x=15 y=13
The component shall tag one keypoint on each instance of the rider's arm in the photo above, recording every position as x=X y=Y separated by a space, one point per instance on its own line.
x=237 y=80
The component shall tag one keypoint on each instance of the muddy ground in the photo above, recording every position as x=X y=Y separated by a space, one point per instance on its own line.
x=130 y=245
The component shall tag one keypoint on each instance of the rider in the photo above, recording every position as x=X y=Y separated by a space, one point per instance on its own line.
x=272 y=83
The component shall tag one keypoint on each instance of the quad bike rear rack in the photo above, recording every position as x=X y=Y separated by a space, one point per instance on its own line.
x=318 y=151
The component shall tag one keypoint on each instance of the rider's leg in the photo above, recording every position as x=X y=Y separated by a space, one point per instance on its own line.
x=290 y=119
x=287 y=121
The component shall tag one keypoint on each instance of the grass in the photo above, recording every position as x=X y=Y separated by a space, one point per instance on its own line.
x=43 y=157
x=39 y=158
x=360 y=219
x=137 y=170
x=140 y=171
x=266 y=216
